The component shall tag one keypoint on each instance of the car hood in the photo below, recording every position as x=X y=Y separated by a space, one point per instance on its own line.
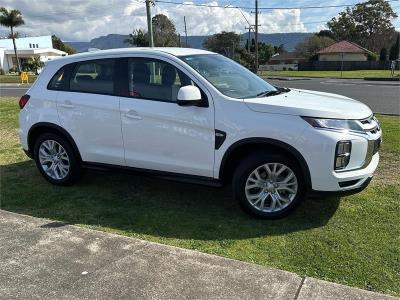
x=310 y=104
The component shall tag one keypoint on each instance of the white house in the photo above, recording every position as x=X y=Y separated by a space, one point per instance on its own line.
x=38 y=46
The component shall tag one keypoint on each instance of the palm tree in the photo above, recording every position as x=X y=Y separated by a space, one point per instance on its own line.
x=12 y=18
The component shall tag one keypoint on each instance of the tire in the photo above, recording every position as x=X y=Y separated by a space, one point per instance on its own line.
x=246 y=185
x=52 y=151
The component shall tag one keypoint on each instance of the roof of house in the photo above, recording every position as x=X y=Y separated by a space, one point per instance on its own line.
x=286 y=56
x=343 y=47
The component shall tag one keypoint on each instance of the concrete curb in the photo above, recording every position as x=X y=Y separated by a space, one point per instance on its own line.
x=46 y=259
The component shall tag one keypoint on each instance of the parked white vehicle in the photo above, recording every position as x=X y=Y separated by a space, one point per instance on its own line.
x=197 y=116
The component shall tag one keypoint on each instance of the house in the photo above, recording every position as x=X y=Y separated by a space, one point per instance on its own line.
x=39 y=46
x=343 y=51
x=284 y=61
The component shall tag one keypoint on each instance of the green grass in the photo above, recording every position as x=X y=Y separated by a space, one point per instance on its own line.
x=346 y=74
x=352 y=240
x=15 y=78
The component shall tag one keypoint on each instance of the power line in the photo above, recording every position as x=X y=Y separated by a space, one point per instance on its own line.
x=260 y=8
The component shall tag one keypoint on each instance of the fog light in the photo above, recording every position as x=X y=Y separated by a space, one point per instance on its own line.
x=342 y=154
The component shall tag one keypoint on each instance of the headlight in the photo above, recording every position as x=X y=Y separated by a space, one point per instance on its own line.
x=337 y=124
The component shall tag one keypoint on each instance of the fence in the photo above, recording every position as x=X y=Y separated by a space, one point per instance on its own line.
x=347 y=65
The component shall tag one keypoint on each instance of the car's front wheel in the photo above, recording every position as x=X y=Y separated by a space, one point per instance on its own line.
x=56 y=159
x=268 y=185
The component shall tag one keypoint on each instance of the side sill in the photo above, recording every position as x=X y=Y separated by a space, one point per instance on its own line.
x=191 y=179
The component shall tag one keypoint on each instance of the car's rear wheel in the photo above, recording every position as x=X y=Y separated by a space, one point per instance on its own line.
x=56 y=159
x=268 y=185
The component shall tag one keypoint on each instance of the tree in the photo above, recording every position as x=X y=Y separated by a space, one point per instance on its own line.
x=34 y=64
x=12 y=18
x=164 y=34
x=383 y=54
x=364 y=23
x=224 y=43
x=164 y=31
x=311 y=45
x=58 y=44
x=326 y=33
x=137 y=38
x=394 y=50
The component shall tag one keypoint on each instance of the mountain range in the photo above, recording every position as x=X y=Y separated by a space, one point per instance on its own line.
x=111 y=41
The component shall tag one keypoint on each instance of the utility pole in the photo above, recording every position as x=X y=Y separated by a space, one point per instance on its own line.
x=184 y=21
x=149 y=23
x=248 y=41
x=256 y=37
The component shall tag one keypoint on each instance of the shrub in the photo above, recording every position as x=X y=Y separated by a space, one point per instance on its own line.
x=2 y=72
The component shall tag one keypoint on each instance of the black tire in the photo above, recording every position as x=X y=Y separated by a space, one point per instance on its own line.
x=73 y=173
x=247 y=166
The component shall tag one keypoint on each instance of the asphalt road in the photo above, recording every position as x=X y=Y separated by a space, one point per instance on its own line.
x=381 y=97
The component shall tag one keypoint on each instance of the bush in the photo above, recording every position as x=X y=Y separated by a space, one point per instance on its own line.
x=372 y=56
x=12 y=70
x=2 y=72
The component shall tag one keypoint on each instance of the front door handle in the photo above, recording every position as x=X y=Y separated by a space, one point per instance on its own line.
x=67 y=104
x=133 y=115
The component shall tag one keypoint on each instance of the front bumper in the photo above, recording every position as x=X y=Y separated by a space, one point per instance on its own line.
x=345 y=192
x=318 y=149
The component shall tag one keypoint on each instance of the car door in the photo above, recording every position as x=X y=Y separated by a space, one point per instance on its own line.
x=89 y=111
x=158 y=133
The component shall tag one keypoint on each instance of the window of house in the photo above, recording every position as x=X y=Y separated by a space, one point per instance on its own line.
x=95 y=76
x=37 y=45
x=30 y=45
x=155 y=79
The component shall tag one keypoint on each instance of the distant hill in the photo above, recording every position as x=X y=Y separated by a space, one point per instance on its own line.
x=111 y=41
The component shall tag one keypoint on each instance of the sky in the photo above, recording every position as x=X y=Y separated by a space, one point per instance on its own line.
x=77 y=20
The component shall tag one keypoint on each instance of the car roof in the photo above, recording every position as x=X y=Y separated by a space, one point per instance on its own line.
x=133 y=50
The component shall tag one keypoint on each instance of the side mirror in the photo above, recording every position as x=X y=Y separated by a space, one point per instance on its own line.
x=189 y=96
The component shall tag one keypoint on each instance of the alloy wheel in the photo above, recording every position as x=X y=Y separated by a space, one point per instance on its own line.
x=54 y=159
x=271 y=187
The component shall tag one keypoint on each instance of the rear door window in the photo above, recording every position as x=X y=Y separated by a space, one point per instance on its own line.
x=94 y=76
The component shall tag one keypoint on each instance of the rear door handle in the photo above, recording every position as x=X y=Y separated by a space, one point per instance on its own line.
x=131 y=114
x=67 y=104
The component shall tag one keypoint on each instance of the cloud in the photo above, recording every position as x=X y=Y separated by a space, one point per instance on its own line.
x=77 y=20
x=83 y=20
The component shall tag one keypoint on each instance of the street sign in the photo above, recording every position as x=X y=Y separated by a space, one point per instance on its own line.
x=24 y=77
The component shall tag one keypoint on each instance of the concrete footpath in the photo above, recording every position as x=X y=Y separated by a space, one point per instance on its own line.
x=43 y=259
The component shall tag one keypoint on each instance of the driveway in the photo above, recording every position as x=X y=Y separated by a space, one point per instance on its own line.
x=42 y=259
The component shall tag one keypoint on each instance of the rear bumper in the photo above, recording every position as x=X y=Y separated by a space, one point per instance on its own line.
x=351 y=191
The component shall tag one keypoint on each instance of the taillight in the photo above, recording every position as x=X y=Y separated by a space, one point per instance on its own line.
x=23 y=101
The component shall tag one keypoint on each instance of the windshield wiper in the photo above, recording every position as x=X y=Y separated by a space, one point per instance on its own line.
x=269 y=93
x=282 y=89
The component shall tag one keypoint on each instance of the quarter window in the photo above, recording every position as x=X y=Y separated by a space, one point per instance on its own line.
x=154 y=79
x=58 y=80
x=95 y=76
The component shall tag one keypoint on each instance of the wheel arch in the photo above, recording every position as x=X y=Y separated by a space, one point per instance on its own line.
x=243 y=147
x=44 y=127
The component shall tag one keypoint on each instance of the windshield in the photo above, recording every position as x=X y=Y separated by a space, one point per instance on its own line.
x=229 y=77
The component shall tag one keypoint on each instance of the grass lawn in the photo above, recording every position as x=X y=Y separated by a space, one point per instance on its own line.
x=15 y=78
x=346 y=74
x=353 y=240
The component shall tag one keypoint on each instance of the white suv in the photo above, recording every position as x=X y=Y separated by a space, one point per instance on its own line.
x=196 y=116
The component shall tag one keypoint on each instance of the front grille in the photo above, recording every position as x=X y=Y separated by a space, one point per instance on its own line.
x=370 y=125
